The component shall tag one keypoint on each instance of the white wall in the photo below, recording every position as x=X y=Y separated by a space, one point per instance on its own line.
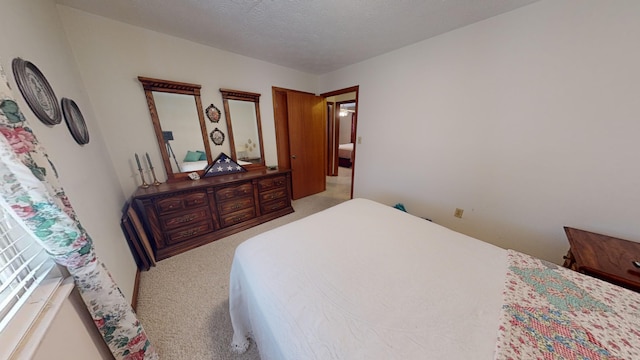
x=111 y=55
x=528 y=121
x=345 y=128
x=32 y=30
x=72 y=322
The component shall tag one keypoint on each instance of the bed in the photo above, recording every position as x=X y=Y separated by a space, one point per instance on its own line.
x=388 y=285
x=190 y=166
x=345 y=154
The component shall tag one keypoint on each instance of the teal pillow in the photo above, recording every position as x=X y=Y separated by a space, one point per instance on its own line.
x=203 y=155
x=192 y=156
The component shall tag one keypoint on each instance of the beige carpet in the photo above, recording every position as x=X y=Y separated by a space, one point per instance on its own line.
x=183 y=302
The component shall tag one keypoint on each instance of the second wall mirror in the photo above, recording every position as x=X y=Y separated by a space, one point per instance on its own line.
x=242 y=110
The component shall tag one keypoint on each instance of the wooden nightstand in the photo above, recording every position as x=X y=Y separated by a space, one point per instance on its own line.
x=604 y=257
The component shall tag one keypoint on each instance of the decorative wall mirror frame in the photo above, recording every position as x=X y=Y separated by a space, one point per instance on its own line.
x=170 y=130
x=244 y=128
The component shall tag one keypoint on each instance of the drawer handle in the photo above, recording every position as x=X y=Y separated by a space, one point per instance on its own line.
x=275 y=207
x=186 y=219
x=271 y=196
x=188 y=233
x=235 y=207
x=239 y=218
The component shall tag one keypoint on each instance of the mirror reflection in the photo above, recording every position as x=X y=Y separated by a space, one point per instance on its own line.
x=245 y=131
x=178 y=121
x=242 y=111
x=181 y=131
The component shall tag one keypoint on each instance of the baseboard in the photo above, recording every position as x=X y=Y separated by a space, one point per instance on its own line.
x=136 y=287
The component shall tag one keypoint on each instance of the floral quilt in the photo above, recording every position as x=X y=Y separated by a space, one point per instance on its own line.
x=550 y=312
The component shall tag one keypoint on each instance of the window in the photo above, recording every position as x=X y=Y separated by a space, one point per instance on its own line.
x=23 y=266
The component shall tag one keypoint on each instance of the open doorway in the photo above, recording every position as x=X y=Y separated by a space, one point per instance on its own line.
x=342 y=113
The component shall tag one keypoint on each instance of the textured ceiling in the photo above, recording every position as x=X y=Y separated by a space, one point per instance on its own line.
x=314 y=36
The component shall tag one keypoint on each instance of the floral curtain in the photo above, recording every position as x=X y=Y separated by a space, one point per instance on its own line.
x=29 y=185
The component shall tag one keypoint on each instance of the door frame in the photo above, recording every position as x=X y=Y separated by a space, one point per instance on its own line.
x=355 y=89
x=332 y=147
x=281 y=123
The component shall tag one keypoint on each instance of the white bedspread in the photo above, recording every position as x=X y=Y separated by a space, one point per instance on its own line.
x=201 y=165
x=346 y=151
x=193 y=166
x=363 y=280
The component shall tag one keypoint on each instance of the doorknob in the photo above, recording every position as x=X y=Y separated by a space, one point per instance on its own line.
x=293 y=157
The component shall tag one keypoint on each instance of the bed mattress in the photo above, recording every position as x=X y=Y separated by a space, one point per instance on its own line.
x=362 y=280
x=345 y=151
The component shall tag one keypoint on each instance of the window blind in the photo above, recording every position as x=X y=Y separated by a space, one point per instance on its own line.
x=23 y=265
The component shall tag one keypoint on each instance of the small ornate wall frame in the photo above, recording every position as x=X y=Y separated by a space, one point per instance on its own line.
x=213 y=113
x=36 y=91
x=217 y=136
x=75 y=121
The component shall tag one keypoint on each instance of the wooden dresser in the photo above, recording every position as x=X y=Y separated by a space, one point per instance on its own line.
x=181 y=216
x=604 y=257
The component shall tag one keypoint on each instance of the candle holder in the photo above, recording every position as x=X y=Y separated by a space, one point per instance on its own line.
x=144 y=183
x=155 y=181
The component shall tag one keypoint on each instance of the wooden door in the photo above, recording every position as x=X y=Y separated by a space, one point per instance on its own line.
x=301 y=139
x=307 y=143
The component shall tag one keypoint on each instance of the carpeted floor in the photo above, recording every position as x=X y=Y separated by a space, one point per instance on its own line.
x=183 y=302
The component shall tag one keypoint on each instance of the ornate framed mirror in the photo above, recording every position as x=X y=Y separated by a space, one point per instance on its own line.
x=178 y=121
x=242 y=111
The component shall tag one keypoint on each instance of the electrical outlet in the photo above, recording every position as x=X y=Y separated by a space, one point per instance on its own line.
x=458 y=213
x=359 y=139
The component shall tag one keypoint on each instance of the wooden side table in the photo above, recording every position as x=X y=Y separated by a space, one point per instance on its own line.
x=604 y=257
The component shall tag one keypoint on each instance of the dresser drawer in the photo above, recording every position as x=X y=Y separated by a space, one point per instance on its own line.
x=182 y=215
x=188 y=232
x=230 y=206
x=273 y=195
x=237 y=217
x=274 y=206
x=272 y=183
x=230 y=192
x=186 y=218
x=181 y=201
